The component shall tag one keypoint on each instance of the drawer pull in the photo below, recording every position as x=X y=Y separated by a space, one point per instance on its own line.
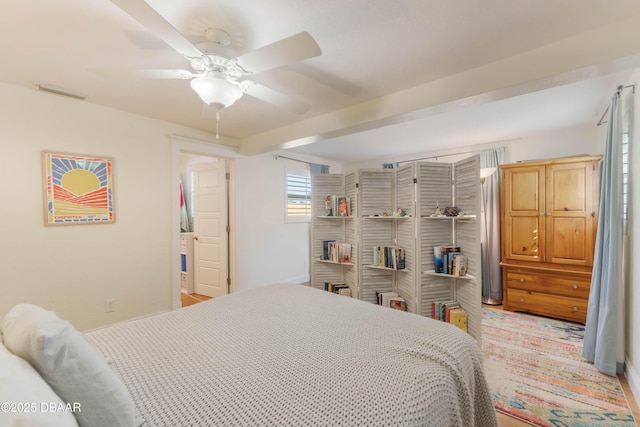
x=521 y=280
x=575 y=308
x=521 y=299
x=575 y=286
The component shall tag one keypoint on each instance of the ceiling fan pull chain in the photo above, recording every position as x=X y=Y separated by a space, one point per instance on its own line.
x=217 y=124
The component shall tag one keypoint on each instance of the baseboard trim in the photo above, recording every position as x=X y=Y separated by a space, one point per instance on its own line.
x=633 y=378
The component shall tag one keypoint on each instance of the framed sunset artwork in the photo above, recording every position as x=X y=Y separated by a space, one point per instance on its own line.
x=78 y=189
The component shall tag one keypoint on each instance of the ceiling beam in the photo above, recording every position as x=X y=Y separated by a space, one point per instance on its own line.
x=592 y=54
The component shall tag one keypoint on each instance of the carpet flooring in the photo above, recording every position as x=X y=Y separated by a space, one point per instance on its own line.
x=536 y=373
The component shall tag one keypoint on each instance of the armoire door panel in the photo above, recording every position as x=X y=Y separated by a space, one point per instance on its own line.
x=570 y=227
x=524 y=239
x=567 y=188
x=567 y=240
x=526 y=186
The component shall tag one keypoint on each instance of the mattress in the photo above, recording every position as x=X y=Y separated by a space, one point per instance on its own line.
x=290 y=355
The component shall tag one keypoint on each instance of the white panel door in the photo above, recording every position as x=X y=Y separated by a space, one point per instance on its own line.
x=210 y=222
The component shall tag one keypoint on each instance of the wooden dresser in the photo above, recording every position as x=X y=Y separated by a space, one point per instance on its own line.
x=549 y=224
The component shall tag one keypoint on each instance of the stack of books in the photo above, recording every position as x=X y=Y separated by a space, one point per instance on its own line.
x=450 y=312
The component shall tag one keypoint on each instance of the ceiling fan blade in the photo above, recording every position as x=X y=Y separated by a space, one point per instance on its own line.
x=146 y=74
x=274 y=97
x=286 y=51
x=152 y=21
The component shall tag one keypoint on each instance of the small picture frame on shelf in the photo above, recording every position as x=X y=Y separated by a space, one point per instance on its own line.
x=342 y=206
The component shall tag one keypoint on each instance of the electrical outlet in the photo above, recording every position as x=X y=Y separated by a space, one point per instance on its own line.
x=109 y=305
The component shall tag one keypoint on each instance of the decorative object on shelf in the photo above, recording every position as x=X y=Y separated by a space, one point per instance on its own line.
x=451 y=211
x=400 y=212
x=437 y=212
x=328 y=210
x=78 y=189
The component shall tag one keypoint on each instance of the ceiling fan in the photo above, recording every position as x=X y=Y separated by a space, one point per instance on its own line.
x=218 y=80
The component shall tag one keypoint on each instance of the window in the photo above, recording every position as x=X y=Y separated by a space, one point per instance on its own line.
x=298 y=203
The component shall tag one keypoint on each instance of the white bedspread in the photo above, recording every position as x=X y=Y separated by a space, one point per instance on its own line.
x=289 y=355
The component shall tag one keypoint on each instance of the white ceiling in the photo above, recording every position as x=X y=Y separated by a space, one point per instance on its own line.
x=442 y=72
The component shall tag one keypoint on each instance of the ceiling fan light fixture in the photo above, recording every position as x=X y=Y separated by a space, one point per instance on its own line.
x=216 y=91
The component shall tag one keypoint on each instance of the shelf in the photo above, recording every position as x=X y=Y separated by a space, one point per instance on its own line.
x=448 y=276
x=383 y=268
x=334 y=217
x=386 y=217
x=444 y=217
x=326 y=261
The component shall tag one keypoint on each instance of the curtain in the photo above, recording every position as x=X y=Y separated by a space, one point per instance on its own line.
x=490 y=225
x=316 y=168
x=603 y=334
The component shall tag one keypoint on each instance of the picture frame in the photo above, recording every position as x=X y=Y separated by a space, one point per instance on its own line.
x=78 y=189
x=342 y=207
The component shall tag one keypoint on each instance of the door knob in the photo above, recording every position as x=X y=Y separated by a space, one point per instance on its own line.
x=195 y=237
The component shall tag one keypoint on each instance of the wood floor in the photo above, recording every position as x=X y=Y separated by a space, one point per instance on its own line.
x=504 y=420
x=190 y=299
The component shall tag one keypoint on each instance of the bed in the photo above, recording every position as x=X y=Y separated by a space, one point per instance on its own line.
x=290 y=355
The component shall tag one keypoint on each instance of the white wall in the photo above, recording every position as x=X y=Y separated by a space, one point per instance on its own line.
x=272 y=246
x=73 y=269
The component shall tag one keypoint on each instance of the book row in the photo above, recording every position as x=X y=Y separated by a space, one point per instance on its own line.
x=391 y=300
x=389 y=257
x=449 y=260
x=336 y=251
x=335 y=205
x=338 y=288
x=450 y=312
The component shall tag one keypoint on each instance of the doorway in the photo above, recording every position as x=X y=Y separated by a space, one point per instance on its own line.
x=204 y=180
x=212 y=222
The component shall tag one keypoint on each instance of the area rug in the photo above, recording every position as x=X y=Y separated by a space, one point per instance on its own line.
x=536 y=373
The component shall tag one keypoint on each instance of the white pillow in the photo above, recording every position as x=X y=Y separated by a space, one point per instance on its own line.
x=26 y=399
x=70 y=365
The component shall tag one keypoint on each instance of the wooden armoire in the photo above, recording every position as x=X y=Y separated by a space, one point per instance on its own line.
x=549 y=225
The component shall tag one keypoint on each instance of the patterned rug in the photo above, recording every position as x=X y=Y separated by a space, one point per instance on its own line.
x=536 y=373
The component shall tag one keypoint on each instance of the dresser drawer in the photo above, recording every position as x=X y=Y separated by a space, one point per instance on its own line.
x=574 y=309
x=548 y=283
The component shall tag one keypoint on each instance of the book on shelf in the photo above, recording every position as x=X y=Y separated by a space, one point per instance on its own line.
x=437 y=259
x=446 y=256
x=342 y=206
x=337 y=288
x=337 y=251
x=459 y=265
x=325 y=249
x=398 y=303
x=346 y=291
x=386 y=298
x=344 y=252
x=337 y=205
x=398 y=259
x=438 y=309
x=328 y=205
x=458 y=317
x=382 y=297
x=389 y=257
x=450 y=312
x=443 y=259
